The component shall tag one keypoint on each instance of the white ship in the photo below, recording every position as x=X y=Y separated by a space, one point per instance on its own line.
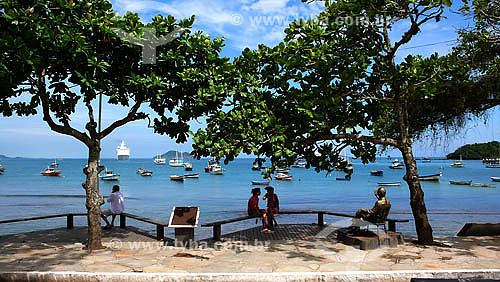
x=122 y=152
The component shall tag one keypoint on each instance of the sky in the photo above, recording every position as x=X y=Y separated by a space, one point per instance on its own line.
x=244 y=23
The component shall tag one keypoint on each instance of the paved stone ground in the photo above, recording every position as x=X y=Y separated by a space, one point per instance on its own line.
x=133 y=250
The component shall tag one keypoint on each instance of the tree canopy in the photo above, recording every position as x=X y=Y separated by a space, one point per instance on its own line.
x=55 y=55
x=333 y=84
x=477 y=151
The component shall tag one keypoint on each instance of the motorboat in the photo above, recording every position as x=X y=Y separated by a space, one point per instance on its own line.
x=483 y=185
x=176 y=162
x=282 y=170
x=212 y=162
x=2 y=169
x=51 y=172
x=177 y=177
x=188 y=167
x=159 y=160
x=493 y=166
x=432 y=177
x=300 y=163
x=140 y=170
x=461 y=182
x=495 y=179
x=389 y=183
x=265 y=183
x=378 y=172
x=255 y=166
x=146 y=173
x=396 y=165
x=282 y=176
x=216 y=170
x=193 y=175
x=109 y=176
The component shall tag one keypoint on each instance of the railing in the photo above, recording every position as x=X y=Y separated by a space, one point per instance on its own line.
x=217 y=229
x=160 y=226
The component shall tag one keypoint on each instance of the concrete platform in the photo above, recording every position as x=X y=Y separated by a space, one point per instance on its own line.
x=132 y=251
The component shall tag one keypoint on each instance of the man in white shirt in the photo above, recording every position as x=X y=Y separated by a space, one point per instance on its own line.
x=116 y=200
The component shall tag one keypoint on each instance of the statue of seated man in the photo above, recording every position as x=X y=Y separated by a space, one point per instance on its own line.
x=379 y=211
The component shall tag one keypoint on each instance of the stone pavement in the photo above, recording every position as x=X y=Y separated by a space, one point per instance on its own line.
x=132 y=250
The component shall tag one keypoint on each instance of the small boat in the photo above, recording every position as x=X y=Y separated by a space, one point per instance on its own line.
x=146 y=173
x=265 y=183
x=159 y=160
x=461 y=182
x=282 y=170
x=493 y=166
x=389 y=183
x=177 y=177
x=379 y=172
x=343 y=178
x=188 y=167
x=282 y=176
x=212 y=162
x=495 y=179
x=432 y=177
x=216 y=170
x=396 y=165
x=193 y=175
x=2 y=169
x=255 y=167
x=426 y=161
x=458 y=164
x=140 y=170
x=300 y=163
x=109 y=176
x=51 y=172
x=483 y=185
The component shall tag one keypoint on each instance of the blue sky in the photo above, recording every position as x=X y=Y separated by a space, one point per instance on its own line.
x=244 y=23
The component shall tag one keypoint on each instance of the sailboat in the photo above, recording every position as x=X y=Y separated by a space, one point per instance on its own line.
x=159 y=160
x=458 y=163
x=176 y=162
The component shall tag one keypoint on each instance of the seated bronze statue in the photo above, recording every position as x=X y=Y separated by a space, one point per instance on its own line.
x=379 y=212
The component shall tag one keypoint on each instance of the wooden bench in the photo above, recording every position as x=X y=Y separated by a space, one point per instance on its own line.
x=160 y=226
x=217 y=225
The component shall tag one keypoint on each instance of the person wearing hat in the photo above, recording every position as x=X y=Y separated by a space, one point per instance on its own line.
x=382 y=205
x=255 y=211
x=273 y=204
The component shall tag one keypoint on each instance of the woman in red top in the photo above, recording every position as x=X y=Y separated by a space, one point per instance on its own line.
x=253 y=208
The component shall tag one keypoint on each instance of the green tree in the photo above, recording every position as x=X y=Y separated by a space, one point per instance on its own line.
x=56 y=55
x=334 y=82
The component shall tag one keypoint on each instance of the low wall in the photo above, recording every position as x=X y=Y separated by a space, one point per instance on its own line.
x=351 y=276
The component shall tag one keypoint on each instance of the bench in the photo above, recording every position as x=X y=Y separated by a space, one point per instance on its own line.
x=217 y=225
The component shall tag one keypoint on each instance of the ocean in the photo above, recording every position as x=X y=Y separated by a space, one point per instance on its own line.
x=24 y=192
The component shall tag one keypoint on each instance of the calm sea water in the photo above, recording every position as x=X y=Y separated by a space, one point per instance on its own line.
x=26 y=193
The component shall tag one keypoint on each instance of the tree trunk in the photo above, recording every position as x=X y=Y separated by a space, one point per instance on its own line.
x=94 y=200
x=424 y=229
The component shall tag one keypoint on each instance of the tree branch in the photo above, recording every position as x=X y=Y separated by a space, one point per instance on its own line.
x=132 y=116
x=354 y=137
x=66 y=129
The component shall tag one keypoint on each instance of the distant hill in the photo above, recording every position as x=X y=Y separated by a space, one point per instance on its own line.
x=477 y=151
x=171 y=154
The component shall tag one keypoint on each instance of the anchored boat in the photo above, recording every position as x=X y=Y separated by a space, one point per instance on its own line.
x=379 y=172
x=109 y=176
x=193 y=175
x=389 y=183
x=177 y=177
x=282 y=176
x=51 y=172
x=432 y=177
x=265 y=183
x=461 y=182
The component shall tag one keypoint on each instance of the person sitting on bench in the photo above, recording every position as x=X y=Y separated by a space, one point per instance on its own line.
x=273 y=204
x=379 y=211
x=253 y=208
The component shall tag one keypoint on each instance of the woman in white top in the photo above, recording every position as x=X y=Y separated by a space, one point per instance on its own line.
x=117 y=207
